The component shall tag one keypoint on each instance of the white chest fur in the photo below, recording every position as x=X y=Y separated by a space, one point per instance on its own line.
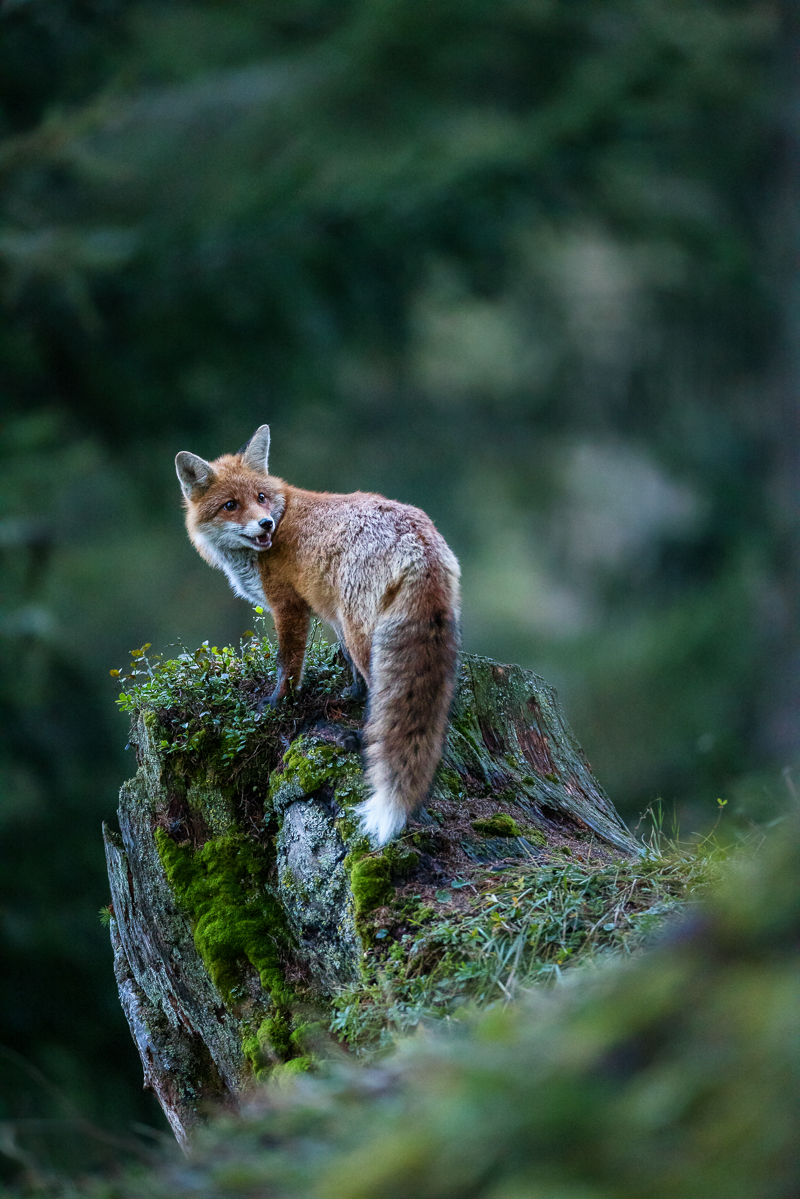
x=240 y=567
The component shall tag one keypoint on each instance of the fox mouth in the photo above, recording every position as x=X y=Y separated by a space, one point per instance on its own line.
x=262 y=542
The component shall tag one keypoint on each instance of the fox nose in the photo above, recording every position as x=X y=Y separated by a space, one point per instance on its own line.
x=267 y=523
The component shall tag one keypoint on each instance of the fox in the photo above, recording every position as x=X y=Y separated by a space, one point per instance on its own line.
x=377 y=571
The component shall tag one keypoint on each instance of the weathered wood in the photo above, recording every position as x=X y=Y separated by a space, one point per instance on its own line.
x=240 y=896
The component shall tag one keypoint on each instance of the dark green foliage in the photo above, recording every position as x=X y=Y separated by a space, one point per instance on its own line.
x=512 y=262
x=210 y=696
x=673 y=1076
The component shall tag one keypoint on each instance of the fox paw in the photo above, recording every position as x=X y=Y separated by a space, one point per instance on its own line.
x=357 y=691
x=270 y=701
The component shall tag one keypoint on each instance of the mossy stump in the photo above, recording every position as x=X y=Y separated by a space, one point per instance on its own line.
x=244 y=900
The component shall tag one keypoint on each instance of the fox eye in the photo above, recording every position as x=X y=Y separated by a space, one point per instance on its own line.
x=231 y=504
x=262 y=499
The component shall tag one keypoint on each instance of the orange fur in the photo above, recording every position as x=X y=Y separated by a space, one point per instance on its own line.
x=378 y=571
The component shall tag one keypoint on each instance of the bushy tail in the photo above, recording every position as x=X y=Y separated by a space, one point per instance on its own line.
x=412 y=668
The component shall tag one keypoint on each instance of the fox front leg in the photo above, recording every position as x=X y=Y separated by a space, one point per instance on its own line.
x=292 y=618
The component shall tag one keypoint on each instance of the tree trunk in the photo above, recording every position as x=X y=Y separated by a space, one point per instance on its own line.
x=243 y=895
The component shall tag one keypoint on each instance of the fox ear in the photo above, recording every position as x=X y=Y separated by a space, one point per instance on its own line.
x=195 y=474
x=256 y=452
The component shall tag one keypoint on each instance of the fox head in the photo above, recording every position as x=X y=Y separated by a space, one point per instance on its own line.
x=232 y=503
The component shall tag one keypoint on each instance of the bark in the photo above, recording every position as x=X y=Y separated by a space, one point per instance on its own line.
x=241 y=890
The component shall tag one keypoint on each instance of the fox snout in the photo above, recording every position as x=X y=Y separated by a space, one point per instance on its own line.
x=263 y=539
x=259 y=532
x=254 y=534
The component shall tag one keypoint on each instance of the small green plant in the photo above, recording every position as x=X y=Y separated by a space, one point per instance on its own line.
x=219 y=693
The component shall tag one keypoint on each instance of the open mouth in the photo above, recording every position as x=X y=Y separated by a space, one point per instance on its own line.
x=262 y=542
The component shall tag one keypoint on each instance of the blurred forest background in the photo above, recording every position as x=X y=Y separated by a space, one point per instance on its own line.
x=528 y=264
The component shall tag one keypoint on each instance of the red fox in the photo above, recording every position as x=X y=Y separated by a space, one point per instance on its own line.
x=377 y=571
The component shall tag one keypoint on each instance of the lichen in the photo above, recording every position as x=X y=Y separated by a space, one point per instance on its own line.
x=214 y=804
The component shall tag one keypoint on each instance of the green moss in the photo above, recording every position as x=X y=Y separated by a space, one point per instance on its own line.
x=223 y=887
x=310 y=764
x=402 y=861
x=371 y=884
x=370 y=880
x=277 y=1031
x=355 y=855
x=499 y=825
x=465 y=728
x=234 y=919
x=307 y=1034
x=534 y=835
x=552 y=777
x=215 y=805
x=351 y=788
x=449 y=780
x=424 y=841
x=274 y=1038
x=298 y=1065
x=252 y=1052
x=287 y=1070
x=350 y=833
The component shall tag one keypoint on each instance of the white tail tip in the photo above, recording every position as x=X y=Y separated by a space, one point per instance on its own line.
x=381 y=817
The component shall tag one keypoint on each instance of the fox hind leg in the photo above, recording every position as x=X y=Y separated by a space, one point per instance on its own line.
x=358 y=688
x=356 y=652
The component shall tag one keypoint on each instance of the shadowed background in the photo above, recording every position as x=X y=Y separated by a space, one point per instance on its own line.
x=524 y=263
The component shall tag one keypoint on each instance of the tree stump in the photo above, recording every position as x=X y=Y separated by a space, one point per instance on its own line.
x=244 y=899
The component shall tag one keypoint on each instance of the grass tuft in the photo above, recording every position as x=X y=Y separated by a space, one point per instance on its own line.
x=520 y=930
